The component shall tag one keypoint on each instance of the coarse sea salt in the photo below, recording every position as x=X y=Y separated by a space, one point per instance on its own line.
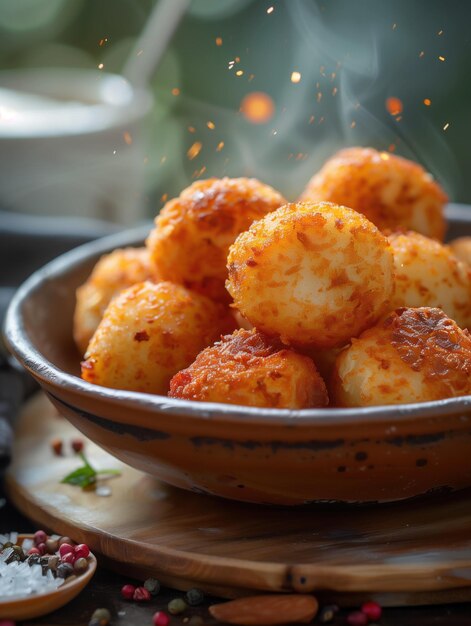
x=19 y=580
x=27 y=544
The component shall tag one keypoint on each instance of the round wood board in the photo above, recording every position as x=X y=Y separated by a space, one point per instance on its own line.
x=418 y=552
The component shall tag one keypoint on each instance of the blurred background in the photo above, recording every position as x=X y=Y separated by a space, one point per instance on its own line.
x=246 y=88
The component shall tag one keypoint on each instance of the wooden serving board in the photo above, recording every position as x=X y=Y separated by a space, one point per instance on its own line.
x=408 y=553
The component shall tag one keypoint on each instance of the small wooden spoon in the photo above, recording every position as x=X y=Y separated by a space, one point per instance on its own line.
x=29 y=607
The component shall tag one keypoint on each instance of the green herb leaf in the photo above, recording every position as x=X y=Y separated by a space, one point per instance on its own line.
x=86 y=475
x=82 y=477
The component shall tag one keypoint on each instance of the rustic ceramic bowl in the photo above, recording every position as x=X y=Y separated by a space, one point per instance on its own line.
x=43 y=603
x=267 y=456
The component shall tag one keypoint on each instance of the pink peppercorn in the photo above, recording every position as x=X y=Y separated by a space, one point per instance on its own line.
x=77 y=445
x=357 y=618
x=42 y=548
x=81 y=551
x=34 y=551
x=40 y=537
x=127 y=592
x=161 y=619
x=68 y=558
x=141 y=595
x=372 y=610
x=65 y=548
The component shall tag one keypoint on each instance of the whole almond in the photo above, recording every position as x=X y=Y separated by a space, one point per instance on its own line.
x=269 y=609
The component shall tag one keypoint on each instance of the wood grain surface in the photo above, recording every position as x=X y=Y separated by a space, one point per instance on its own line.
x=414 y=552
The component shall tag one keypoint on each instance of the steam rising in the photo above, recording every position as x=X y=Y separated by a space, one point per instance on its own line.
x=329 y=70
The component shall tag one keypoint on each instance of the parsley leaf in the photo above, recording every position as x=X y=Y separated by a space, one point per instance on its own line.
x=86 y=475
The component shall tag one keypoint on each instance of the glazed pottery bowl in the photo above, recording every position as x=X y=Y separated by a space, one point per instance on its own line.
x=268 y=456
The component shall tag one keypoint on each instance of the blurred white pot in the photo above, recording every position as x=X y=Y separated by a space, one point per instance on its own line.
x=71 y=144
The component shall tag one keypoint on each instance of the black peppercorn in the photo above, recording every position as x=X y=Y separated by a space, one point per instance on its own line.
x=33 y=559
x=194 y=597
x=152 y=585
x=65 y=570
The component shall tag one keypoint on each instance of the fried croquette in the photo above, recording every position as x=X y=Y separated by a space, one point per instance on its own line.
x=391 y=191
x=113 y=273
x=428 y=274
x=314 y=274
x=461 y=248
x=193 y=232
x=148 y=333
x=414 y=355
x=249 y=368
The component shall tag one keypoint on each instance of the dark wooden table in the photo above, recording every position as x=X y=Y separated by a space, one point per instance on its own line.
x=104 y=591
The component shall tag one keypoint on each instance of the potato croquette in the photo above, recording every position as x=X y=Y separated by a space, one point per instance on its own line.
x=461 y=248
x=249 y=368
x=148 y=333
x=391 y=191
x=193 y=232
x=314 y=274
x=428 y=274
x=113 y=273
x=414 y=355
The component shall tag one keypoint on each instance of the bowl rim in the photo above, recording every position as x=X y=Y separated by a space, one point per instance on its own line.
x=21 y=346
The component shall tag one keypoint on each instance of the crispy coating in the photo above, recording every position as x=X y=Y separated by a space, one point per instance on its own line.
x=148 y=333
x=391 y=191
x=193 y=232
x=249 y=368
x=414 y=355
x=314 y=274
x=113 y=273
x=429 y=274
x=461 y=248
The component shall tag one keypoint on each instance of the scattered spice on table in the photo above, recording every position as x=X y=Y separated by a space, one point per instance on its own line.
x=194 y=597
x=57 y=446
x=177 y=606
x=372 y=610
x=141 y=595
x=357 y=618
x=100 y=617
x=160 y=619
x=127 y=592
x=77 y=445
x=152 y=585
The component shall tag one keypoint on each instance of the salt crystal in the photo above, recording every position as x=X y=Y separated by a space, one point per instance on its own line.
x=18 y=579
x=103 y=491
x=27 y=544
